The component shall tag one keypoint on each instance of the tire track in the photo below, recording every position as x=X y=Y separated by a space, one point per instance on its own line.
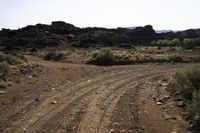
x=92 y=118
x=112 y=100
x=80 y=91
x=121 y=120
x=84 y=84
x=110 y=93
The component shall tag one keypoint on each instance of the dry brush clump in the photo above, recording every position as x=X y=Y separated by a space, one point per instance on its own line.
x=103 y=57
x=3 y=85
x=107 y=56
x=187 y=83
x=12 y=59
x=7 y=62
x=56 y=56
x=4 y=68
x=9 y=59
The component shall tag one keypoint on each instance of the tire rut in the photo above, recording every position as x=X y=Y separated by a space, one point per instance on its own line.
x=60 y=106
x=111 y=102
x=79 y=118
x=125 y=118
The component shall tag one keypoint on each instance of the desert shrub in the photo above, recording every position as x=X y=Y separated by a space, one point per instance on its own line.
x=4 y=68
x=188 y=44
x=3 y=85
x=188 y=84
x=10 y=59
x=176 y=58
x=191 y=43
x=188 y=81
x=193 y=106
x=159 y=47
x=193 y=111
x=54 y=56
x=166 y=42
x=104 y=57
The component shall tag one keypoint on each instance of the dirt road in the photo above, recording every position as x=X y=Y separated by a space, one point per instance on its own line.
x=71 y=98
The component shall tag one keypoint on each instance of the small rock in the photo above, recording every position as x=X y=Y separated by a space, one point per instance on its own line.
x=111 y=130
x=53 y=88
x=24 y=129
x=177 y=93
x=167 y=97
x=109 y=121
x=116 y=124
x=2 y=92
x=196 y=117
x=36 y=99
x=143 y=128
x=163 y=99
x=180 y=103
x=54 y=102
x=139 y=75
x=129 y=131
x=103 y=108
x=158 y=103
x=167 y=117
x=122 y=131
x=3 y=103
x=164 y=84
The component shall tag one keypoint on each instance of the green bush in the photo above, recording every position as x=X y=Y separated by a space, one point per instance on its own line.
x=166 y=42
x=188 y=83
x=4 y=68
x=176 y=58
x=188 y=44
x=193 y=111
x=193 y=106
x=107 y=56
x=10 y=59
x=103 y=57
x=54 y=56
x=3 y=85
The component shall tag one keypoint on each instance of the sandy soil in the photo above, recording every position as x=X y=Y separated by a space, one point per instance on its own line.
x=78 y=98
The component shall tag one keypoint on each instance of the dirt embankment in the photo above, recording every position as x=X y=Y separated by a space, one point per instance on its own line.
x=89 y=99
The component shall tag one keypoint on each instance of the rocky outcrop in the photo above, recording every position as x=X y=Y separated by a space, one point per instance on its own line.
x=61 y=33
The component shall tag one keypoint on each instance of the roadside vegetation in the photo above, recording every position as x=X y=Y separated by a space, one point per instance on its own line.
x=184 y=44
x=54 y=56
x=11 y=58
x=187 y=86
x=4 y=68
x=108 y=56
x=7 y=62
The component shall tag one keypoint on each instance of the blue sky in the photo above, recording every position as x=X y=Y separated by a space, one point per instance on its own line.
x=162 y=14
